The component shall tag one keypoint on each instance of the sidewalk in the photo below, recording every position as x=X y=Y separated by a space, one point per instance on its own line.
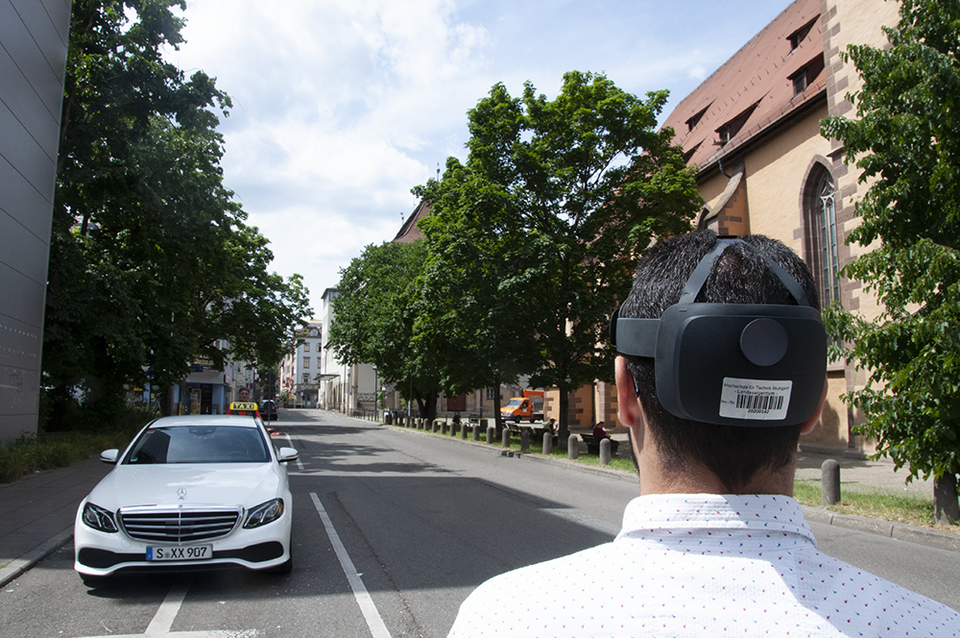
x=37 y=512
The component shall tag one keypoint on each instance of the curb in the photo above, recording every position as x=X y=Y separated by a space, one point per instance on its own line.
x=18 y=566
x=899 y=531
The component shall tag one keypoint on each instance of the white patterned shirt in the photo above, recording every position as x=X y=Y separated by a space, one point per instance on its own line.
x=701 y=565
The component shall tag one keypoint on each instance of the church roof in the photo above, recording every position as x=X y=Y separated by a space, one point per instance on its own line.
x=778 y=73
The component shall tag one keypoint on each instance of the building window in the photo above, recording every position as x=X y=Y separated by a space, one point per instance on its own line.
x=693 y=121
x=306 y=362
x=820 y=212
x=807 y=75
x=800 y=34
x=306 y=347
x=730 y=130
x=306 y=378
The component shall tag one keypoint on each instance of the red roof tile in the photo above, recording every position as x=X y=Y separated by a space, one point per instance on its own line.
x=754 y=89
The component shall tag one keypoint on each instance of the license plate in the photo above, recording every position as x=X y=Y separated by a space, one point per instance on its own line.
x=186 y=552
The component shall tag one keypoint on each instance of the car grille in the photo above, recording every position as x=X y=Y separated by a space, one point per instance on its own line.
x=183 y=525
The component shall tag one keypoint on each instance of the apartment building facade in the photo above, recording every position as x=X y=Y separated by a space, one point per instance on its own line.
x=300 y=368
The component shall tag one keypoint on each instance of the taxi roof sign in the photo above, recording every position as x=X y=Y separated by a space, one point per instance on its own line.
x=244 y=406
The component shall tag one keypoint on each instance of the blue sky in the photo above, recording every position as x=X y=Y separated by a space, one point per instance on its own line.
x=342 y=106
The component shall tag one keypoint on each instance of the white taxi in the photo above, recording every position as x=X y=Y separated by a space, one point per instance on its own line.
x=190 y=492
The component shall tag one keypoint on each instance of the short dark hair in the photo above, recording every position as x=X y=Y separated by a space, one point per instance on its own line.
x=739 y=276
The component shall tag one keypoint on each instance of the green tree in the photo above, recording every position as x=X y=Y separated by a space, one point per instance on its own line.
x=375 y=315
x=150 y=259
x=906 y=141
x=473 y=306
x=561 y=196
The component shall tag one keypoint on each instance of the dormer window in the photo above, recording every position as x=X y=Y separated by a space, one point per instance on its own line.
x=693 y=121
x=800 y=34
x=688 y=155
x=730 y=130
x=807 y=75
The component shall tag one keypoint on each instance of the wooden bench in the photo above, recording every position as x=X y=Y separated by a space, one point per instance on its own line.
x=593 y=444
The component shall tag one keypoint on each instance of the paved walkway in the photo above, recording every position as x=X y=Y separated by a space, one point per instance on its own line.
x=857 y=473
x=37 y=512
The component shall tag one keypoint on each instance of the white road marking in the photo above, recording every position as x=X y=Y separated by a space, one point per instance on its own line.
x=367 y=607
x=162 y=621
x=290 y=444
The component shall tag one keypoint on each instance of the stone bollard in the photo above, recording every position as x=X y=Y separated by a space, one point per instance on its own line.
x=491 y=435
x=830 y=482
x=505 y=438
x=605 y=452
x=547 y=443
x=573 y=447
x=476 y=431
x=525 y=440
x=463 y=431
x=443 y=428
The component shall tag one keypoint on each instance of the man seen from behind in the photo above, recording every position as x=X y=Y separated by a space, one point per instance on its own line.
x=722 y=367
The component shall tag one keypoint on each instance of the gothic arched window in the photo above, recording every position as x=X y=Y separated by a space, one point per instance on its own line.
x=820 y=213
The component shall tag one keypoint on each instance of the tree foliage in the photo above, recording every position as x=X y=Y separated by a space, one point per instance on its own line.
x=906 y=141
x=537 y=235
x=375 y=316
x=473 y=305
x=150 y=260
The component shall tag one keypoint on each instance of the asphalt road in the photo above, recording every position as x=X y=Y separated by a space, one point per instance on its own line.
x=392 y=529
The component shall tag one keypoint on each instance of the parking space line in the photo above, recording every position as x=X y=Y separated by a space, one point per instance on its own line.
x=163 y=620
x=290 y=443
x=369 y=610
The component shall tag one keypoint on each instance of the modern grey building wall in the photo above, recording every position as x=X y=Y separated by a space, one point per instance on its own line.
x=33 y=54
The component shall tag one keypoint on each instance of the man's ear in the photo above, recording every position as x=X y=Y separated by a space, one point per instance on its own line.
x=628 y=408
x=810 y=423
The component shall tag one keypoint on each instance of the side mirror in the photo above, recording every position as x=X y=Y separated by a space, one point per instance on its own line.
x=287 y=454
x=110 y=456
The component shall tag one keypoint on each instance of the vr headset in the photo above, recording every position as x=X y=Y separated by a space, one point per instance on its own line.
x=748 y=365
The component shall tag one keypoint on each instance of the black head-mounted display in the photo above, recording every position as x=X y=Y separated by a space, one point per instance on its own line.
x=748 y=365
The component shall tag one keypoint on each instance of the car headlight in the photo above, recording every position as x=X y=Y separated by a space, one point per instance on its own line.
x=98 y=518
x=264 y=513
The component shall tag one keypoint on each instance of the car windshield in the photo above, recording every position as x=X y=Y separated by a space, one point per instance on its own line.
x=199 y=444
x=514 y=403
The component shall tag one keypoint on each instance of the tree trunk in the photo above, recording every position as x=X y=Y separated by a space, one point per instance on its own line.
x=946 y=508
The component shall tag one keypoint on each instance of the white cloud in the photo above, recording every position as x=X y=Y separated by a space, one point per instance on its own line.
x=342 y=106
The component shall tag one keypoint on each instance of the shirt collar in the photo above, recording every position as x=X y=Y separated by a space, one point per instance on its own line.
x=752 y=513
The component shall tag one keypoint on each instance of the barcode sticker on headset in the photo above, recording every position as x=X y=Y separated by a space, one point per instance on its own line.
x=753 y=399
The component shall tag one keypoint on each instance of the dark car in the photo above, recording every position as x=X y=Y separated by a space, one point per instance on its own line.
x=268 y=410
